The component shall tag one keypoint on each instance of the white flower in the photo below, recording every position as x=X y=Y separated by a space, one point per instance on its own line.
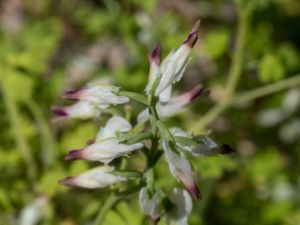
x=172 y=67
x=34 y=212
x=102 y=95
x=81 y=110
x=174 y=106
x=150 y=205
x=98 y=177
x=207 y=147
x=181 y=169
x=183 y=208
x=106 y=147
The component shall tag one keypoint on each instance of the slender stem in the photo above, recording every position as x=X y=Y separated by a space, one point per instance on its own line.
x=112 y=200
x=109 y=203
x=237 y=61
x=15 y=120
x=216 y=111
x=209 y=117
x=234 y=73
x=48 y=141
x=267 y=89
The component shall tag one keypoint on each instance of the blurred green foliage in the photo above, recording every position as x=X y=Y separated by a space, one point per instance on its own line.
x=49 y=46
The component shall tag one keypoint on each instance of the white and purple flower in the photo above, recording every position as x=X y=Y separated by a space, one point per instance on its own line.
x=98 y=177
x=106 y=146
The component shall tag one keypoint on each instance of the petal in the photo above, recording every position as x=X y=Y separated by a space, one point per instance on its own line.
x=149 y=206
x=103 y=151
x=81 y=110
x=95 y=178
x=193 y=35
x=113 y=125
x=181 y=169
x=143 y=116
x=155 y=55
x=165 y=95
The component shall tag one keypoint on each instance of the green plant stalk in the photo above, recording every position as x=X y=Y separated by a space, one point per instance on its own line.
x=14 y=119
x=109 y=203
x=242 y=98
x=45 y=132
x=234 y=73
x=112 y=200
x=237 y=61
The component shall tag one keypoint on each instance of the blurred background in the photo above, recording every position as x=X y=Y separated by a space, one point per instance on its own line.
x=49 y=46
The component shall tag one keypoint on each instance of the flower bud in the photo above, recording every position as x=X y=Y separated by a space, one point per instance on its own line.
x=81 y=110
x=106 y=147
x=102 y=95
x=181 y=169
x=174 y=106
x=183 y=208
x=173 y=67
x=154 y=72
x=150 y=205
x=95 y=178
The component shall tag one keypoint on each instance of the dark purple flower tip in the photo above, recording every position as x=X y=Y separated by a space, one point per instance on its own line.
x=226 y=149
x=196 y=92
x=193 y=35
x=90 y=142
x=74 y=155
x=194 y=191
x=68 y=181
x=59 y=111
x=72 y=94
x=155 y=55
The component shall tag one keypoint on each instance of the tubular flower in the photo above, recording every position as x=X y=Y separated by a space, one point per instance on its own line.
x=80 y=110
x=102 y=95
x=150 y=205
x=172 y=67
x=174 y=106
x=92 y=100
x=106 y=146
x=154 y=73
x=183 y=208
x=98 y=177
x=204 y=147
x=181 y=169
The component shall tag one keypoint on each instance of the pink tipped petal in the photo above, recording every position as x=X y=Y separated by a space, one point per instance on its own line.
x=74 y=155
x=188 y=96
x=72 y=94
x=68 y=181
x=59 y=111
x=155 y=55
x=196 y=92
x=190 y=184
x=193 y=35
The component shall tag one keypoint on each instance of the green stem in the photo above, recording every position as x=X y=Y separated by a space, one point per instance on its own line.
x=14 y=119
x=237 y=61
x=216 y=111
x=109 y=203
x=112 y=200
x=267 y=90
x=47 y=138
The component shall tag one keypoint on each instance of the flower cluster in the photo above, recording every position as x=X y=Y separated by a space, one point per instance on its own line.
x=119 y=138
